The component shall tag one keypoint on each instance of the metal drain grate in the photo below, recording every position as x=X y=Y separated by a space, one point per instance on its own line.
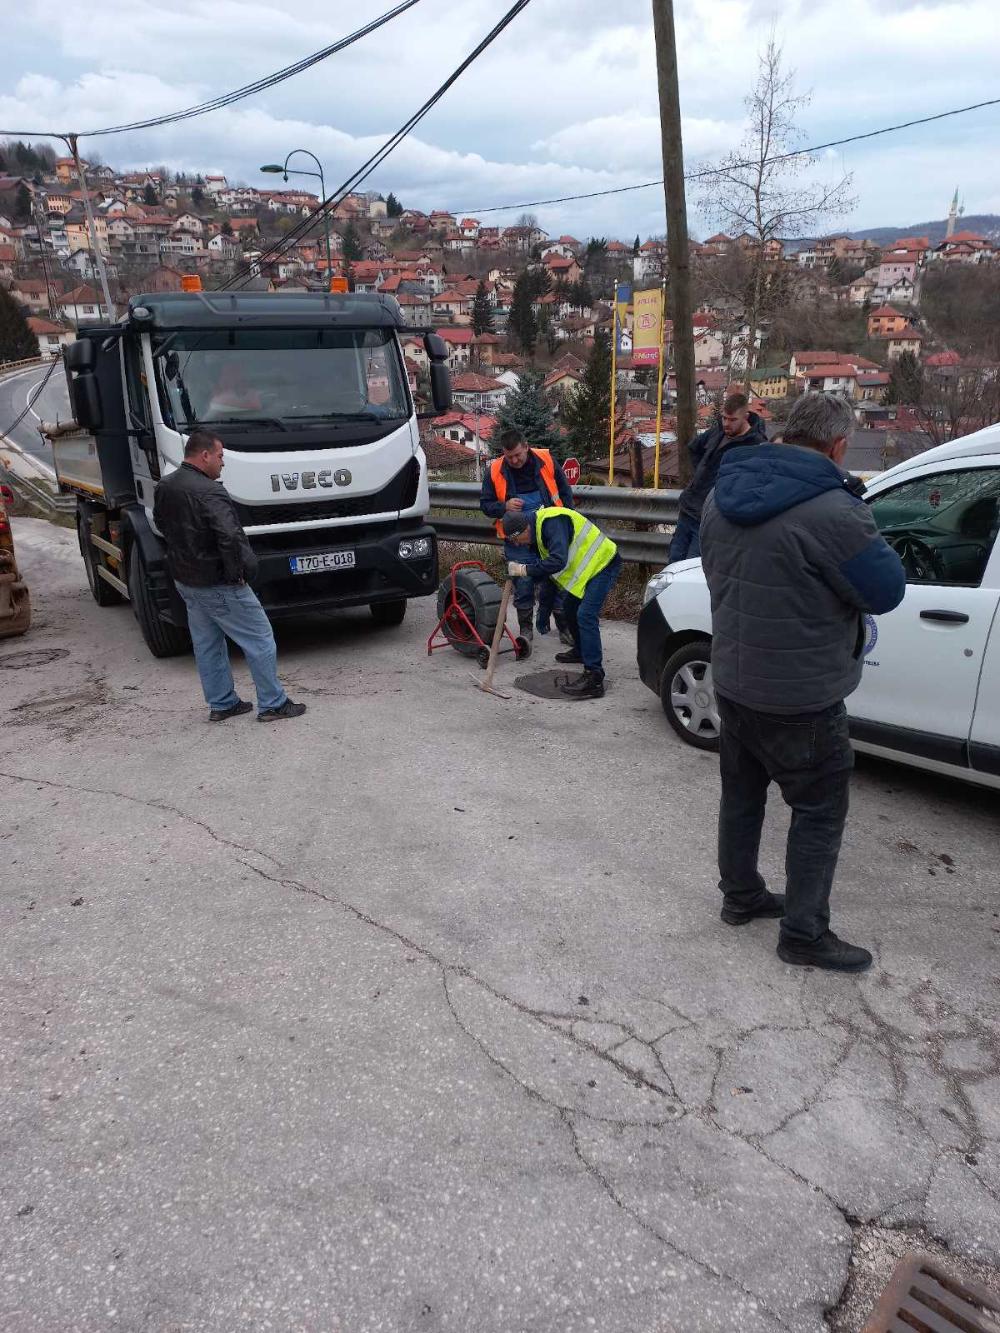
x=923 y=1297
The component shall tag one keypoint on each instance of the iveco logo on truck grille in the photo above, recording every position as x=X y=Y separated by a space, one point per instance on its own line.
x=310 y=480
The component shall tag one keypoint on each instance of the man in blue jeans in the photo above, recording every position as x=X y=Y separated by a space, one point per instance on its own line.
x=211 y=562
x=559 y=544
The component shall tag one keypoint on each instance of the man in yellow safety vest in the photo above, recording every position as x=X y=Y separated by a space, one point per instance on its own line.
x=561 y=545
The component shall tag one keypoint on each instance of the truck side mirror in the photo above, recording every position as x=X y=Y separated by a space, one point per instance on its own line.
x=435 y=347
x=80 y=355
x=440 y=386
x=86 y=399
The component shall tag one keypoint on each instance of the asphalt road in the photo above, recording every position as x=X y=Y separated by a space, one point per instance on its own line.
x=19 y=391
x=417 y=1013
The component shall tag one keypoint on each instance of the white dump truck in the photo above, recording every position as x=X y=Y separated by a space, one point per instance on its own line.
x=309 y=395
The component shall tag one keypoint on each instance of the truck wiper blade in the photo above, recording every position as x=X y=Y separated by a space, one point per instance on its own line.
x=332 y=418
x=250 y=422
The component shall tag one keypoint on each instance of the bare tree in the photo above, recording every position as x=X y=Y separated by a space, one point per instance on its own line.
x=758 y=190
x=958 y=400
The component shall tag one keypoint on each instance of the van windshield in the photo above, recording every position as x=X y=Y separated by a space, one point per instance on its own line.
x=280 y=376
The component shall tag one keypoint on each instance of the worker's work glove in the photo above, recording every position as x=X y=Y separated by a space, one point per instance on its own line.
x=517 y=571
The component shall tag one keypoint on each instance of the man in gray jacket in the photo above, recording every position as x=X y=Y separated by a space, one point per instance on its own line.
x=793 y=561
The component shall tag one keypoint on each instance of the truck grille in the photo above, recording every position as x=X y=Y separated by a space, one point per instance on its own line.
x=400 y=493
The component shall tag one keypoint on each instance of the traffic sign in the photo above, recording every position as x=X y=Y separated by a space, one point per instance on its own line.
x=571 y=468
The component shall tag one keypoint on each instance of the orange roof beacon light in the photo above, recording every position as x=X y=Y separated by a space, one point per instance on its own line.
x=190 y=282
x=338 y=284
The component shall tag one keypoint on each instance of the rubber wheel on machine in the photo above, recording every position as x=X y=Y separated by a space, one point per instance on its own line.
x=688 y=697
x=102 y=592
x=479 y=597
x=388 y=613
x=162 y=638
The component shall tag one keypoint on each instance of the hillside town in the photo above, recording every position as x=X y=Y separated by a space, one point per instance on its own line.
x=892 y=326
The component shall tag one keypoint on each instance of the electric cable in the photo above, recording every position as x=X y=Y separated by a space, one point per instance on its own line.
x=32 y=398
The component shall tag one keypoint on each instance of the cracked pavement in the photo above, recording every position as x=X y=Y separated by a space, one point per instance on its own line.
x=418 y=1014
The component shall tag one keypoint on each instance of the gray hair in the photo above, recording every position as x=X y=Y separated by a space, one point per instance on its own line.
x=817 y=419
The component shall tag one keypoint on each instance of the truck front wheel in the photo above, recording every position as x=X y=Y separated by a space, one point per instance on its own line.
x=162 y=638
x=388 y=613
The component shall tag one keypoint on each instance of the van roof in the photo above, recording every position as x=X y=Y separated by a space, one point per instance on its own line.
x=979 y=443
x=286 y=309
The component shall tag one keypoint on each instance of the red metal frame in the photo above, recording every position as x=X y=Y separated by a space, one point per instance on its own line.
x=453 y=611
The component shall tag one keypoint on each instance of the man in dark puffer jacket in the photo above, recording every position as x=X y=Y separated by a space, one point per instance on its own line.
x=793 y=560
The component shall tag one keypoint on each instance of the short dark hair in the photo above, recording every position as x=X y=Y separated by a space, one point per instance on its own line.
x=511 y=438
x=199 y=442
x=736 y=402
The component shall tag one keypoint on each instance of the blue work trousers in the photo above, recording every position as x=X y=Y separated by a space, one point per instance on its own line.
x=232 y=609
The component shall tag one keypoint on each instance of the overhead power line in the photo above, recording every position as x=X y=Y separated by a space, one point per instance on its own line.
x=715 y=171
x=238 y=94
x=32 y=398
x=377 y=158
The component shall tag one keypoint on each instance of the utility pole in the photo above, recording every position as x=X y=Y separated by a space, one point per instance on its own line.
x=678 y=256
x=91 y=228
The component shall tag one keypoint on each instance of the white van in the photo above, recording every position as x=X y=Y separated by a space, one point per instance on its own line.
x=930 y=693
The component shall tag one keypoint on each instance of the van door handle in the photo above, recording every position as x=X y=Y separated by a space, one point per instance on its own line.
x=949 y=617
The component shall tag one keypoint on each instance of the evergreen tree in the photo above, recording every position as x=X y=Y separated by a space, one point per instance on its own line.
x=521 y=323
x=22 y=202
x=636 y=247
x=528 y=411
x=149 y=197
x=227 y=227
x=906 y=381
x=352 y=244
x=587 y=411
x=835 y=272
x=17 y=342
x=198 y=197
x=393 y=207
x=482 y=311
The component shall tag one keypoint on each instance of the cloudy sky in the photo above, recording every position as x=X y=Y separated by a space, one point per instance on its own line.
x=564 y=102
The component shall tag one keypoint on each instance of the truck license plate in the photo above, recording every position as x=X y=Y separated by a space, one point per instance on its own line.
x=322 y=561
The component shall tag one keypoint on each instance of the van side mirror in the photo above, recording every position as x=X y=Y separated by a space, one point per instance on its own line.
x=86 y=399
x=440 y=386
x=435 y=347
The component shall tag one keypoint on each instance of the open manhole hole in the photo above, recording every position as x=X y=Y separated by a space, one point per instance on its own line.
x=548 y=684
x=32 y=657
x=923 y=1296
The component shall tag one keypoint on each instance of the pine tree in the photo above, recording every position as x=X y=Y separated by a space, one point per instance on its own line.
x=906 y=381
x=587 y=411
x=198 y=197
x=17 y=342
x=521 y=323
x=393 y=207
x=149 y=197
x=636 y=247
x=482 y=311
x=22 y=202
x=227 y=227
x=528 y=411
x=352 y=244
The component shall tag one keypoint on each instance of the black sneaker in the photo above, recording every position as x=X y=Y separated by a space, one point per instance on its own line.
x=571 y=656
x=771 y=905
x=237 y=710
x=588 y=685
x=287 y=709
x=828 y=951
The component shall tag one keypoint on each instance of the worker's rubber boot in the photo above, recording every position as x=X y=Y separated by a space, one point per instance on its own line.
x=589 y=685
x=525 y=627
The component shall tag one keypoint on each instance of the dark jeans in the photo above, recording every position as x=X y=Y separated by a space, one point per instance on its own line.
x=583 y=615
x=685 y=544
x=809 y=756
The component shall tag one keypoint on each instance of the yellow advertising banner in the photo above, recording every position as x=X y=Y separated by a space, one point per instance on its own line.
x=647 y=324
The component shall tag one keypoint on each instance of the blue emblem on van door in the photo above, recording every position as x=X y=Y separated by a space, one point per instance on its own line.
x=871 y=635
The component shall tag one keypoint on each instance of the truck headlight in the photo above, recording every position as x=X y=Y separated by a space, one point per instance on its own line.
x=419 y=548
x=657 y=584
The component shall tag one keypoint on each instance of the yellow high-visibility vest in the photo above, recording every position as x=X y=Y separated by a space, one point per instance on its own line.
x=589 y=551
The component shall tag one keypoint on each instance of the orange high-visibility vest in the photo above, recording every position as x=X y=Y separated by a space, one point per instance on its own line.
x=548 y=474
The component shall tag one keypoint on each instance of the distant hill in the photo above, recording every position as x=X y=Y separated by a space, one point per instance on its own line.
x=986 y=224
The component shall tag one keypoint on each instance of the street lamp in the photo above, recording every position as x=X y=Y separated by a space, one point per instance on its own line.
x=273 y=168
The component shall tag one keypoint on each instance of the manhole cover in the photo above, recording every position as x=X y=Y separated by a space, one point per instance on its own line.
x=32 y=657
x=924 y=1296
x=548 y=685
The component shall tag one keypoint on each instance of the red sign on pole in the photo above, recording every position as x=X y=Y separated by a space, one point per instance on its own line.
x=571 y=468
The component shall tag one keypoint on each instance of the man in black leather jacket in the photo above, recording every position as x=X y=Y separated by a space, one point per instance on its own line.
x=211 y=562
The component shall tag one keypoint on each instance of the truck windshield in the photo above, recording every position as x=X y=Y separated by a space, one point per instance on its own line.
x=275 y=376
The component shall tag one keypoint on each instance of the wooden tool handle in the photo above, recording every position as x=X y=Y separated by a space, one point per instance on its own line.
x=491 y=666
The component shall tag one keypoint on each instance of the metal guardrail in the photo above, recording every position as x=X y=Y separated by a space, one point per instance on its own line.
x=37 y=494
x=608 y=504
x=8 y=367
